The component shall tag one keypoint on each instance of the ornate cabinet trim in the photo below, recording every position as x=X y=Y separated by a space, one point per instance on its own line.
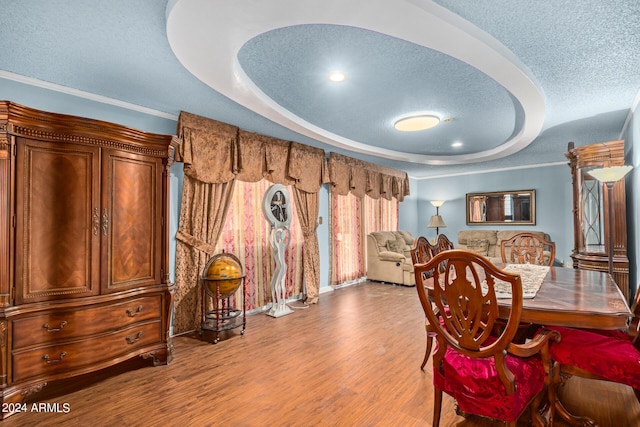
x=591 y=214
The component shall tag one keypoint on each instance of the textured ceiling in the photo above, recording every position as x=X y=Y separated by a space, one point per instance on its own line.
x=519 y=78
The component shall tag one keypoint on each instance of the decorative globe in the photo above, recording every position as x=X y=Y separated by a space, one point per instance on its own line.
x=223 y=272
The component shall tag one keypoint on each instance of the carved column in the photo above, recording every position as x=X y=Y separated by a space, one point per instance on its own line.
x=6 y=218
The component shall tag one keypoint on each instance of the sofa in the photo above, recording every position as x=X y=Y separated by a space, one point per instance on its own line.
x=389 y=257
x=487 y=242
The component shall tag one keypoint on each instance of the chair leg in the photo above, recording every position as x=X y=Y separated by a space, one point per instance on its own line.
x=427 y=353
x=437 y=406
x=552 y=391
x=536 y=417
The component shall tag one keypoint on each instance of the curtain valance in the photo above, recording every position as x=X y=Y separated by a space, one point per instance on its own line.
x=263 y=157
x=349 y=175
x=215 y=152
x=208 y=148
x=308 y=167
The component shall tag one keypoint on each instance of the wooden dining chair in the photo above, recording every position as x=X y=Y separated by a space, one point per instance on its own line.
x=424 y=251
x=488 y=375
x=527 y=248
x=443 y=243
x=600 y=355
x=421 y=252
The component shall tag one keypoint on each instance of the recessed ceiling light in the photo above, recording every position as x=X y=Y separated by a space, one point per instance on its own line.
x=337 y=76
x=457 y=144
x=416 y=123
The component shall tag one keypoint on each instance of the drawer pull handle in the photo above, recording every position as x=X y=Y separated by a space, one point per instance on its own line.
x=134 y=339
x=58 y=329
x=134 y=313
x=52 y=361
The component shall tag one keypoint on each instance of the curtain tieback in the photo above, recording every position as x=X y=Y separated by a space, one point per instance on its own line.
x=198 y=244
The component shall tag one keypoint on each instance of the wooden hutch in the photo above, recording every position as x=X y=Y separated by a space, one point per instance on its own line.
x=84 y=280
x=591 y=213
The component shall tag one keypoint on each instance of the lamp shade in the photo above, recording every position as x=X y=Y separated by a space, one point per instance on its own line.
x=610 y=174
x=436 y=222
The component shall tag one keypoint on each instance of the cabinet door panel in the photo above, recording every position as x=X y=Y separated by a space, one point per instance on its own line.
x=56 y=228
x=132 y=203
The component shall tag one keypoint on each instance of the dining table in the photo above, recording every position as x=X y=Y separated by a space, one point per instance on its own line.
x=575 y=298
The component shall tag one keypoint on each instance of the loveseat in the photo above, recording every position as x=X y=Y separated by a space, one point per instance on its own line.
x=487 y=242
x=389 y=257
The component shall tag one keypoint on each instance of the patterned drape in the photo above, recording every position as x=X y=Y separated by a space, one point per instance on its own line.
x=246 y=235
x=307 y=208
x=305 y=161
x=218 y=154
x=208 y=151
x=202 y=216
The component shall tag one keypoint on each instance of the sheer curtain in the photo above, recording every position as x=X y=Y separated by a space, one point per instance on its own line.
x=246 y=234
x=352 y=218
x=380 y=214
x=347 y=255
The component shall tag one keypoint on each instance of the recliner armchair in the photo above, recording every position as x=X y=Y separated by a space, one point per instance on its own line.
x=389 y=257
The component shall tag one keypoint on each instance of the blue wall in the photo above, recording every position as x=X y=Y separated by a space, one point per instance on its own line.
x=553 y=202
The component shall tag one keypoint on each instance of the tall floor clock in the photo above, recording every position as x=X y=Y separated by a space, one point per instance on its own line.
x=276 y=206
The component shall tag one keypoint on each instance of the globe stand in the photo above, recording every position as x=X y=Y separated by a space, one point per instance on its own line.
x=222 y=276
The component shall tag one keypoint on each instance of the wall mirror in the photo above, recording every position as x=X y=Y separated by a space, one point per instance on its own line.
x=502 y=207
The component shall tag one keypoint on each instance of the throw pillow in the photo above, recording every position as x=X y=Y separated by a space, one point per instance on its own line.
x=479 y=246
x=395 y=245
x=408 y=238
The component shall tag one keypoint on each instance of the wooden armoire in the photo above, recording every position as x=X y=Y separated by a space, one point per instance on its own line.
x=84 y=281
x=591 y=211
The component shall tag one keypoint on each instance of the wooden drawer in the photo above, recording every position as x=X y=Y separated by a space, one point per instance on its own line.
x=54 y=327
x=63 y=357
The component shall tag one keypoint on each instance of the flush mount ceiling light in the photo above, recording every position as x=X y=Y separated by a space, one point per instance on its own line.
x=416 y=123
x=337 y=76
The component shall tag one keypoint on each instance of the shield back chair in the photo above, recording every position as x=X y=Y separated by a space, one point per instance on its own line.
x=600 y=355
x=421 y=252
x=443 y=243
x=424 y=251
x=528 y=248
x=487 y=375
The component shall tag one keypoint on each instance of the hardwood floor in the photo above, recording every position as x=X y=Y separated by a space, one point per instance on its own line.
x=352 y=359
